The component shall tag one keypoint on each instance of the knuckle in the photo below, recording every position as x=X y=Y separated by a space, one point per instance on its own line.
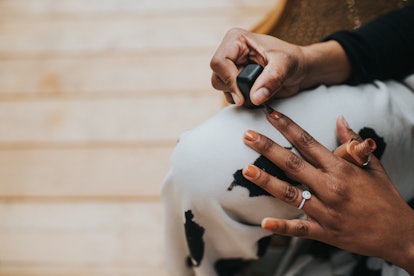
x=290 y=193
x=334 y=215
x=306 y=139
x=301 y=230
x=215 y=63
x=283 y=229
x=338 y=190
x=234 y=31
x=337 y=184
x=338 y=195
x=294 y=162
x=266 y=145
x=215 y=81
x=265 y=181
x=227 y=80
x=336 y=222
x=284 y=123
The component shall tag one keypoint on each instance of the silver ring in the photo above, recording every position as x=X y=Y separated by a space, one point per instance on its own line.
x=305 y=196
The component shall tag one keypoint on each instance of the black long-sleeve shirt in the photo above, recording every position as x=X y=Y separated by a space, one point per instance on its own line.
x=381 y=49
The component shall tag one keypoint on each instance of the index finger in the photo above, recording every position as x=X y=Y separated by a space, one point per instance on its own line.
x=314 y=152
x=230 y=57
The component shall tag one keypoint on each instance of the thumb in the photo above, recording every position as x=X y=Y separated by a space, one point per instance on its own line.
x=345 y=133
x=267 y=84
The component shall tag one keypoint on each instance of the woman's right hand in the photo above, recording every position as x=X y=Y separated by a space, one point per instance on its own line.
x=283 y=65
x=288 y=68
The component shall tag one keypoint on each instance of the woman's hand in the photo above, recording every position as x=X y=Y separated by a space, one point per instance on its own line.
x=356 y=209
x=287 y=67
x=283 y=66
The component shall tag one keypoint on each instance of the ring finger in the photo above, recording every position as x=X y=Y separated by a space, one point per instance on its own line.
x=282 y=190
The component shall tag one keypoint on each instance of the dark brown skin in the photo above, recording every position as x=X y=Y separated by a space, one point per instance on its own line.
x=288 y=68
x=353 y=208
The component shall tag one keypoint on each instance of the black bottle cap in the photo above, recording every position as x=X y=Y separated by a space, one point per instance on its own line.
x=245 y=81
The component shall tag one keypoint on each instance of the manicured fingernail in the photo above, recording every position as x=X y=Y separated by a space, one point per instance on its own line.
x=273 y=113
x=251 y=171
x=251 y=135
x=261 y=95
x=344 y=122
x=236 y=98
x=268 y=109
x=269 y=224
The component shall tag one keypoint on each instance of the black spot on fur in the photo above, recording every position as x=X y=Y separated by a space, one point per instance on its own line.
x=194 y=234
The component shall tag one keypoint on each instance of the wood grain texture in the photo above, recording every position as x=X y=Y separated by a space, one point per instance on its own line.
x=42 y=35
x=80 y=238
x=93 y=97
x=147 y=119
x=58 y=7
x=115 y=75
x=120 y=171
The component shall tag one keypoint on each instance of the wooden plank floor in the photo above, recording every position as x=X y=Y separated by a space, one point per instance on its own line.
x=93 y=95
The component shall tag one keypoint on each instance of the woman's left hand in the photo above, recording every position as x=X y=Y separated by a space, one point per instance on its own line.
x=356 y=209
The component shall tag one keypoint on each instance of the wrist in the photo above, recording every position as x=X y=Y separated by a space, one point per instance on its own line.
x=325 y=63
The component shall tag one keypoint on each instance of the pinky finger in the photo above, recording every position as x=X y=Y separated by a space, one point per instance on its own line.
x=292 y=228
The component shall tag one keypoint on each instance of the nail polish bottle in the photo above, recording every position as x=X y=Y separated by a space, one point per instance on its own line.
x=245 y=81
x=356 y=152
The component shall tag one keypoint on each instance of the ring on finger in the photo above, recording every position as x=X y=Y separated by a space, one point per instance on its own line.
x=305 y=196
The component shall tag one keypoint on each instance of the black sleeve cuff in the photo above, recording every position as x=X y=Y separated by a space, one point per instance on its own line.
x=381 y=49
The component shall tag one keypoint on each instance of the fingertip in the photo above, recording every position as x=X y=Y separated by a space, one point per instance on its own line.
x=251 y=136
x=345 y=133
x=251 y=172
x=343 y=122
x=260 y=96
x=269 y=224
x=267 y=84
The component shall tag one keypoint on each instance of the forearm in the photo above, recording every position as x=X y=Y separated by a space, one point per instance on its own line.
x=325 y=63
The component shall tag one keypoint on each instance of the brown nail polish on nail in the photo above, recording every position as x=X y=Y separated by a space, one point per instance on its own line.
x=251 y=136
x=269 y=224
x=268 y=109
x=251 y=171
x=276 y=115
x=271 y=112
x=344 y=122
